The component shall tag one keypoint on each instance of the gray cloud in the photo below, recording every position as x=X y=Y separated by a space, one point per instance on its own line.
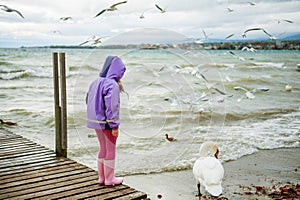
x=187 y=17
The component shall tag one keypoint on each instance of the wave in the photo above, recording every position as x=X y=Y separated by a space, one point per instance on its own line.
x=260 y=114
x=18 y=74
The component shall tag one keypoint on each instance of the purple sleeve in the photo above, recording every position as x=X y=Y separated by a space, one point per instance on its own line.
x=112 y=104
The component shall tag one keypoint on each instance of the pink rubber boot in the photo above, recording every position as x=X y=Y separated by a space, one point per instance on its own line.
x=101 y=171
x=109 y=170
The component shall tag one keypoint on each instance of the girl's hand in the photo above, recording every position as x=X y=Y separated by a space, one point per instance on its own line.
x=115 y=132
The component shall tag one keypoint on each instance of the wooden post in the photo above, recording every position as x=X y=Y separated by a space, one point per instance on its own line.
x=64 y=139
x=60 y=110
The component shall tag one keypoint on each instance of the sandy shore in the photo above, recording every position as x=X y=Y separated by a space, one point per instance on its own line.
x=267 y=168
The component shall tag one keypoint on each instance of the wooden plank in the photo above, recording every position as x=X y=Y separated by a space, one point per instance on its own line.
x=19 y=147
x=21 y=153
x=12 y=143
x=56 y=170
x=70 y=179
x=37 y=162
x=112 y=195
x=10 y=136
x=134 y=196
x=47 y=190
x=88 y=191
x=29 y=159
x=44 y=178
x=55 y=193
x=36 y=169
x=31 y=171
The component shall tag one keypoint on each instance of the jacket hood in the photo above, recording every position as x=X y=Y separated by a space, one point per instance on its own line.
x=113 y=68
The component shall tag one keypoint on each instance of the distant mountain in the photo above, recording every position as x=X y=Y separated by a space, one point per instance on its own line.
x=292 y=37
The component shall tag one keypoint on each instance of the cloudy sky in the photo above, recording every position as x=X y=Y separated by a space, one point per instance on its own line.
x=42 y=26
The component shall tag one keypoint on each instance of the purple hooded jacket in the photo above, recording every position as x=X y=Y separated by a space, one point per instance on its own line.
x=103 y=98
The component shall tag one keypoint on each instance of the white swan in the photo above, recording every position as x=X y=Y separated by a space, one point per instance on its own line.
x=208 y=170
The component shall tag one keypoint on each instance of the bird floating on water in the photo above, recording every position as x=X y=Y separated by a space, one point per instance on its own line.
x=171 y=139
x=288 y=88
x=7 y=9
x=208 y=170
x=111 y=8
x=8 y=123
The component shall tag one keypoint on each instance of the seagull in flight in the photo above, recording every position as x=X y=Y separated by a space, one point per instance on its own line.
x=142 y=15
x=251 y=3
x=162 y=10
x=248 y=48
x=238 y=57
x=229 y=36
x=94 y=40
x=250 y=93
x=230 y=10
x=7 y=9
x=65 y=19
x=283 y=20
x=205 y=35
x=111 y=8
x=258 y=29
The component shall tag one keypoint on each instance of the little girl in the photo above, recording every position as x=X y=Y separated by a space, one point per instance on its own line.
x=103 y=106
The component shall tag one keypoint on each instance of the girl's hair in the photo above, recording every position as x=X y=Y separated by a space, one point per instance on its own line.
x=121 y=86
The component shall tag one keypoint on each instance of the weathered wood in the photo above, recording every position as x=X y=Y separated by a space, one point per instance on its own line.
x=36 y=173
x=57 y=108
x=63 y=101
x=90 y=191
x=27 y=192
x=37 y=170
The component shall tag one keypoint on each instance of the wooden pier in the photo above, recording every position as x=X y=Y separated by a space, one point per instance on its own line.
x=31 y=171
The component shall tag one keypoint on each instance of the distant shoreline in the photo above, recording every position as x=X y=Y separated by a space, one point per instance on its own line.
x=220 y=45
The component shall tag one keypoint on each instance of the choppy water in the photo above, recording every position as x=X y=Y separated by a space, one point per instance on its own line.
x=167 y=94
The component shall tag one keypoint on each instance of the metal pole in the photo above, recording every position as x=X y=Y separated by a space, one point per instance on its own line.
x=57 y=108
x=64 y=139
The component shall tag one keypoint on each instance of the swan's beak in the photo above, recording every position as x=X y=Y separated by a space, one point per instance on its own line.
x=217 y=154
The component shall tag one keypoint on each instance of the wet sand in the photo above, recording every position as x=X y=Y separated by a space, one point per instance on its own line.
x=245 y=178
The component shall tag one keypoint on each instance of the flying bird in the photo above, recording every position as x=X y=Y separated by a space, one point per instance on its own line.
x=248 y=48
x=208 y=170
x=283 y=20
x=230 y=10
x=229 y=36
x=250 y=93
x=7 y=9
x=251 y=3
x=111 y=8
x=142 y=15
x=205 y=35
x=238 y=57
x=94 y=40
x=258 y=29
x=65 y=19
x=162 y=10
